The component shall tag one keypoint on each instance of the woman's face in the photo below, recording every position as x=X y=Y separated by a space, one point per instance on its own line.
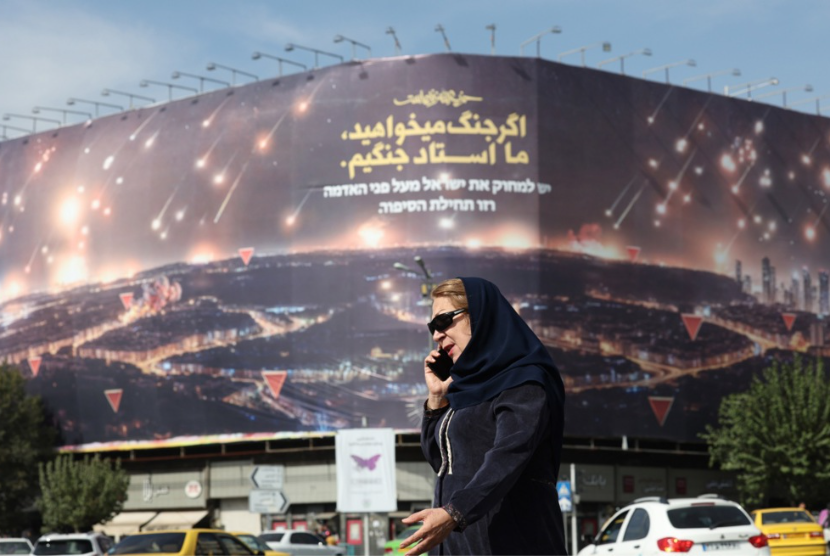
x=456 y=336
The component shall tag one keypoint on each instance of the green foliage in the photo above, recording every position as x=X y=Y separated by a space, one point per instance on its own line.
x=77 y=494
x=777 y=434
x=25 y=440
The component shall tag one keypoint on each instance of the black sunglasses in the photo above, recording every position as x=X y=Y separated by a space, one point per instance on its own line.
x=443 y=321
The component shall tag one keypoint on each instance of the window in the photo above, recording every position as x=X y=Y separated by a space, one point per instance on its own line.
x=637 y=526
x=271 y=537
x=105 y=543
x=792 y=516
x=709 y=517
x=304 y=538
x=149 y=543
x=233 y=546
x=208 y=545
x=612 y=529
x=65 y=546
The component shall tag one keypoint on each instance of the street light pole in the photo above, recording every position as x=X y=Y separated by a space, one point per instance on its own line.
x=492 y=29
x=201 y=78
x=818 y=102
x=21 y=129
x=34 y=119
x=258 y=55
x=213 y=65
x=341 y=38
x=621 y=58
x=736 y=72
x=666 y=67
x=538 y=39
x=170 y=87
x=440 y=29
x=291 y=46
x=72 y=101
x=391 y=31
x=806 y=88
x=606 y=47
x=64 y=111
x=748 y=87
x=108 y=92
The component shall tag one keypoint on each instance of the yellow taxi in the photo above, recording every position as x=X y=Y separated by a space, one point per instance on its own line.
x=791 y=531
x=255 y=544
x=184 y=542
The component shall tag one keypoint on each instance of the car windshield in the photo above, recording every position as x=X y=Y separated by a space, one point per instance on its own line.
x=271 y=537
x=53 y=547
x=710 y=517
x=14 y=547
x=790 y=516
x=252 y=542
x=153 y=543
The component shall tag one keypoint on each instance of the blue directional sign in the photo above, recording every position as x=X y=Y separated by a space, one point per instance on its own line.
x=563 y=491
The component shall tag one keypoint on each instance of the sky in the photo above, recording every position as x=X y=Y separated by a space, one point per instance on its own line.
x=53 y=51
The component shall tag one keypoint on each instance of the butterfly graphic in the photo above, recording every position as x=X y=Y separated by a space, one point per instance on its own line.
x=369 y=463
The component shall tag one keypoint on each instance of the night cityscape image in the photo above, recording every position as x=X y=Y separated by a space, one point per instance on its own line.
x=224 y=266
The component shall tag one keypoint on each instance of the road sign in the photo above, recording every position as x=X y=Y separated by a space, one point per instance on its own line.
x=563 y=491
x=271 y=477
x=268 y=501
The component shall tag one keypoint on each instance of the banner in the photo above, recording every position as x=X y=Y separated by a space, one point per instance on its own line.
x=365 y=463
x=227 y=267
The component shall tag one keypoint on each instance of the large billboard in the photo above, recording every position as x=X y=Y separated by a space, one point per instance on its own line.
x=221 y=267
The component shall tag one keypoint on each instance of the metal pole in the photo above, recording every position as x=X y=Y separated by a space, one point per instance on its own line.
x=366 y=534
x=574 y=544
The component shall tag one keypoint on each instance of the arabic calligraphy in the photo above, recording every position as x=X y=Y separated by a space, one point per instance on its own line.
x=433 y=97
x=390 y=137
x=149 y=491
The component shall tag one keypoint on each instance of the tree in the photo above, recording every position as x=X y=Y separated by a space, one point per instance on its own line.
x=26 y=439
x=77 y=494
x=777 y=433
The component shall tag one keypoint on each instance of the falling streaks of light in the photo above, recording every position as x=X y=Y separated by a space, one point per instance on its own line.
x=135 y=133
x=737 y=186
x=37 y=249
x=818 y=220
x=212 y=147
x=622 y=194
x=680 y=175
x=167 y=203
x=296 y=212
x=813 y=148
x=630 y=205
x=659 y=106
x=230 y=192
x=271 y=133
x=209 y=120
x=698 y=117
x=230 y=161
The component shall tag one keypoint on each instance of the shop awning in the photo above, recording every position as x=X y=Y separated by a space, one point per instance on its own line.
x=322 y=516
x=175 y=520
x=125 y=523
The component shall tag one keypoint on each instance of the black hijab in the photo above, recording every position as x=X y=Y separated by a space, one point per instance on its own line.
x=502 y=353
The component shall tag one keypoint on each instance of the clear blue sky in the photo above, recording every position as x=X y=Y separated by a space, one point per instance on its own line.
x=50 y=51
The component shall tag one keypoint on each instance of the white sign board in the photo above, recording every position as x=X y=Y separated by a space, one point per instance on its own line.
x=365 y=462
x=267 y=502
x=270 y=477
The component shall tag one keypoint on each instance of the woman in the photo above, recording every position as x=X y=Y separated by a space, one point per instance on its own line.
x=492 y=431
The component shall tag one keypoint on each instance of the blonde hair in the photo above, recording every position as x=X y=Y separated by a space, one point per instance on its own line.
x=453 y=289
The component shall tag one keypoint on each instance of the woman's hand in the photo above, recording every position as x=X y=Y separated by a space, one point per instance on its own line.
x=437 y=526
x=437 y=387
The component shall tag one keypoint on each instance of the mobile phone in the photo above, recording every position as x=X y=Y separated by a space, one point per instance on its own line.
x=442 y=365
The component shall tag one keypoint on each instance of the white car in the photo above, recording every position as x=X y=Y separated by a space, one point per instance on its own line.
x=91 y=544
x=11 y=545
x=300 y=543
x=651 y=526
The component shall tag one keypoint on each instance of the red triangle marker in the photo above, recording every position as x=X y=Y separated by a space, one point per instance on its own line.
x=114 y=398
x=275 y=380
x=693 y=324
x=789 y=320
x=633 y=253
x=34 y=365
x=661 y=406
x=127 y=300
x=246 y=253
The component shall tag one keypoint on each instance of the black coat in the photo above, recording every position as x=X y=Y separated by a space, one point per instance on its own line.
x=497 y=464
